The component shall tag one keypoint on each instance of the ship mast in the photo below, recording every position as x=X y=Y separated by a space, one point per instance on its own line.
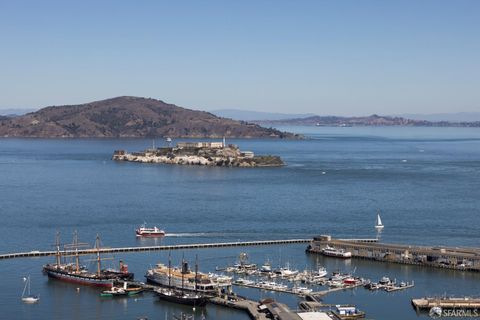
x=57 y=245
x=75 y=244
x=97 y=246
x=183 y=271
x=196 y=272
x=169 y=269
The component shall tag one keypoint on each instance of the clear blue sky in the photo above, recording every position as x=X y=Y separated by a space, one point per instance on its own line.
x=326 y=57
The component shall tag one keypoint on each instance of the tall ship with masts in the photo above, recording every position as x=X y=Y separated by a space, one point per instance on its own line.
x=182 y=278
x=180 y=295
x=76 y=273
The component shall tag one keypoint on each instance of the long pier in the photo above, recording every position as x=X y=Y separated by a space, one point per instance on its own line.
x=36 y=253
x=448 y=303
x=465 y=259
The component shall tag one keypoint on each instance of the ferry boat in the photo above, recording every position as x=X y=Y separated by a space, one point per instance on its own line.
x=334 y=252
x=144 y=231
x=73 y=272
x=183 y=278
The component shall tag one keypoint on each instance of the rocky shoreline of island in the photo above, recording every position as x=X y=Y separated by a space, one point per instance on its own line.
x=200 y=153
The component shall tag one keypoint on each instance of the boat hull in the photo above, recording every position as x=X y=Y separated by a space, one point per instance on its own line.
x=190 y=301
x=162 y=280
x=79 y=279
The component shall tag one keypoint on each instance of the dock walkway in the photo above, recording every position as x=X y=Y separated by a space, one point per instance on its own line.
x=251 y=307
x=447 y=303
x=36 y=253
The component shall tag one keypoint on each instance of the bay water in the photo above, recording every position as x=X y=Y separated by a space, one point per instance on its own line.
x=425 y=182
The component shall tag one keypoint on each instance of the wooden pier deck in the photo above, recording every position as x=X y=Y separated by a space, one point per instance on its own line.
x=447 y=303
x=251 y=307
x=37 y=253
x=465 y=259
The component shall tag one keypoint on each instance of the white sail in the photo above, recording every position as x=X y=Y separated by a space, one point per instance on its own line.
x=29 y=298
x=379 y=224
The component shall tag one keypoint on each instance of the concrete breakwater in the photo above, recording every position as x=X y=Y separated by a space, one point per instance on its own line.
x=200 y=153
x=465 y=259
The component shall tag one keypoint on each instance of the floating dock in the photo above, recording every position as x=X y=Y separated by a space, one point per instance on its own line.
x=465 y=259
x=36 y=253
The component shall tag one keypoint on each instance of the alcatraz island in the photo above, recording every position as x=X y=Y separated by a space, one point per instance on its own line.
x=200 y=153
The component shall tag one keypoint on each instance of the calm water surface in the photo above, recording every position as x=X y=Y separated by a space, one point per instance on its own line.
x=425 y=182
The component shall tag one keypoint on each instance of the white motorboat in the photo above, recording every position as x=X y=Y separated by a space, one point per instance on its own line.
x=337 y=253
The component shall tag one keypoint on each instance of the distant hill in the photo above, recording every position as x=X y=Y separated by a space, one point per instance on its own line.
x=373 y=120
x=450 y=117
x=13 y=112
x=248 y=115
x=129 y=117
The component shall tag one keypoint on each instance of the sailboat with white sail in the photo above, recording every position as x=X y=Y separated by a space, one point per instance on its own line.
x=379 y=225
x=27 y=297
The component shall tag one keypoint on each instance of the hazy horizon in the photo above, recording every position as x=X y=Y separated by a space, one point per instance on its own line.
x=342 y=58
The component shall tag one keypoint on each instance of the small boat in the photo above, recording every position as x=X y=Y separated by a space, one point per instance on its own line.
x=346 y=312
x=301 y=290
x=379 y=225
x=385 y=281
x=286 y=272
x=373 y=286
x=144 y=231
x=337 y=253
x=28 y=297
x=266 y=267
x=121 y=291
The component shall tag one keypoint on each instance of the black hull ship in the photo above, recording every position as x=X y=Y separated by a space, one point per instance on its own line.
x=186 y=298
x=179 y=294
x=74 y=273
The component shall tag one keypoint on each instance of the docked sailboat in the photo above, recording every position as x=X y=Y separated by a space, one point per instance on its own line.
x=182 y=277
x=179 y=295
x=74 y=272
x=379 y=225
x=27 y=297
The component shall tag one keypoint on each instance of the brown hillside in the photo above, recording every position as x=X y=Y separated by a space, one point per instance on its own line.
x=129 y=117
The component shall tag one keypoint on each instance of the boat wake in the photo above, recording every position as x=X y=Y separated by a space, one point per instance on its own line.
x=193 y=234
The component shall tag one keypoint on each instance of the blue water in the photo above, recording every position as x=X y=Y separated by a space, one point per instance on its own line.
x=424 y=181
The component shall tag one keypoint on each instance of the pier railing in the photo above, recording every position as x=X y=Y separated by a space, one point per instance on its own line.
x=36 y=253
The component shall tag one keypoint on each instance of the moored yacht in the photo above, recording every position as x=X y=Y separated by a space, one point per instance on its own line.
x=334 y=252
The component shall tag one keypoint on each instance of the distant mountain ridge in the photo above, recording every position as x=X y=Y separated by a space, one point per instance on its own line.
x=249 y=115
x=449 y=117
x=129 y=117
x=373 y=120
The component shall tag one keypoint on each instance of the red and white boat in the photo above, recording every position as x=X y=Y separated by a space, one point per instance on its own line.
x=144 y=231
